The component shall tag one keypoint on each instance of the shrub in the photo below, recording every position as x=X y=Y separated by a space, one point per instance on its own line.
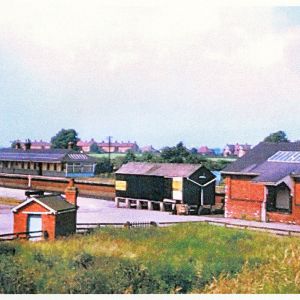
x=14 y=279
x=111 y=275
x=7 y=249
x=83 y=260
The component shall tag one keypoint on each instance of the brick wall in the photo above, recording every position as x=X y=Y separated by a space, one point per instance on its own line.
x=88 y=189
x=243 y=199
x=20 y=219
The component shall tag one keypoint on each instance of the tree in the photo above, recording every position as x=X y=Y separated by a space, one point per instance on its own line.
x=103 y=166
x=147 y=156
x=94 y=148
x=194 y=150
x=277 y=137
x=130 y=156
x=176 y=154
x=63 y=138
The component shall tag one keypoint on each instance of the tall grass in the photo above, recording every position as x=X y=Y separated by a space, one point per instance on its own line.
x=179 y=259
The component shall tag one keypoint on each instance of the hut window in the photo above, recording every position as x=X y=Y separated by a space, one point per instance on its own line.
x=55 y=167
x=48 y=167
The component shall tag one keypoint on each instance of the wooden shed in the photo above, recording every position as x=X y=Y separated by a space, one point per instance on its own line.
x=47 y=215
x=164 y=184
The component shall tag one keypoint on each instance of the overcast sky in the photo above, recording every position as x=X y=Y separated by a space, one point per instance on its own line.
x=152 y=73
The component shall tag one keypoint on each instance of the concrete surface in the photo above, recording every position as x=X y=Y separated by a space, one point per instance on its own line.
x=103 y=211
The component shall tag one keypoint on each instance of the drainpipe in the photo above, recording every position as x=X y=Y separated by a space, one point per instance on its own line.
x=263 y=206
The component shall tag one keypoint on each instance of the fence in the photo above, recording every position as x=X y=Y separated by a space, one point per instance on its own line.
x=88 y=227
x=24 y=235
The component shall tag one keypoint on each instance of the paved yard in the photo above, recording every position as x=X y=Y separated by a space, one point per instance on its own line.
x=94 y=211
x=103 y=211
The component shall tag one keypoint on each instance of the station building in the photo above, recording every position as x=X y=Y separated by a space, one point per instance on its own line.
x=50 y=162
x=264 y=185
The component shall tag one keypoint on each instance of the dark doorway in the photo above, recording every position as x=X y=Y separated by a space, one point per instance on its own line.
x=279 y=199
x=40 y=169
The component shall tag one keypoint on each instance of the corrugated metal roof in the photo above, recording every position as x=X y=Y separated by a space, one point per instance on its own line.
x=159 y=169
x=49 y=155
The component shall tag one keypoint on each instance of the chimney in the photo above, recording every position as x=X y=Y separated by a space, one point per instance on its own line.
x=70 y=145
x=18 y=144
x=27 y=144
x=71 y=193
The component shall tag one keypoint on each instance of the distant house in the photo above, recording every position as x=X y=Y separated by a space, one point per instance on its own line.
x=264 y=185
x=204 y=150
x=238 y=150
x=85 y=146
x=52 y=162
x=37 y=145
x=148 y=149
x=118 y=147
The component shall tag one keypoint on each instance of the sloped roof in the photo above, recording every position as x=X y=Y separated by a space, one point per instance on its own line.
x=54 y=203
x=49 y=155
x=158 y=169
x=255 y=163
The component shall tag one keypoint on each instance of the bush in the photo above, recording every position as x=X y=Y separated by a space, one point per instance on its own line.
x=83 y=260
x=7 y=249
x=14 y=278
x=111 y=275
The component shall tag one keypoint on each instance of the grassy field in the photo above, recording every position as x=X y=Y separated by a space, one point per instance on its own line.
x=186 y=258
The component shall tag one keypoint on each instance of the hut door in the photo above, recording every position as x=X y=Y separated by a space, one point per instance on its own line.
x=34 y=224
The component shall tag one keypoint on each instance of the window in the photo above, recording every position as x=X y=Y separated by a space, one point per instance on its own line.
x=279 y=199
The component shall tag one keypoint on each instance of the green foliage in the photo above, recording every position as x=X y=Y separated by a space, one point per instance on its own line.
x=7 y=249
x=130 y=156
x=83 y=260
x=62 y=139
x=175 y=154
x=177 y=259
x=94 y=148
x=13 y=278
x=103 y=166
x=277 y=137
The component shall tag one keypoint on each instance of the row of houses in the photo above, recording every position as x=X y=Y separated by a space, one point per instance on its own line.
x=236 y=150
x=113 y=147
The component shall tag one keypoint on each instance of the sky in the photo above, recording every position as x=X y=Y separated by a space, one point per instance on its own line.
x=154 y=72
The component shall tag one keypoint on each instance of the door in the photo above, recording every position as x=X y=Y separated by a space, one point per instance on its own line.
x=34 y=224
x=40 y=170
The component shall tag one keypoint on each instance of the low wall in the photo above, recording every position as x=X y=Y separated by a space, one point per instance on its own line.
x=55 y=184
x=58 y=184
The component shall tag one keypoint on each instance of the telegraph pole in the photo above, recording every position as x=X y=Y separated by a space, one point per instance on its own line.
x=109 y=145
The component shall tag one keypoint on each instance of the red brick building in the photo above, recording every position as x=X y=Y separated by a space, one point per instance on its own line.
x=264 y=185
x=52 y=214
